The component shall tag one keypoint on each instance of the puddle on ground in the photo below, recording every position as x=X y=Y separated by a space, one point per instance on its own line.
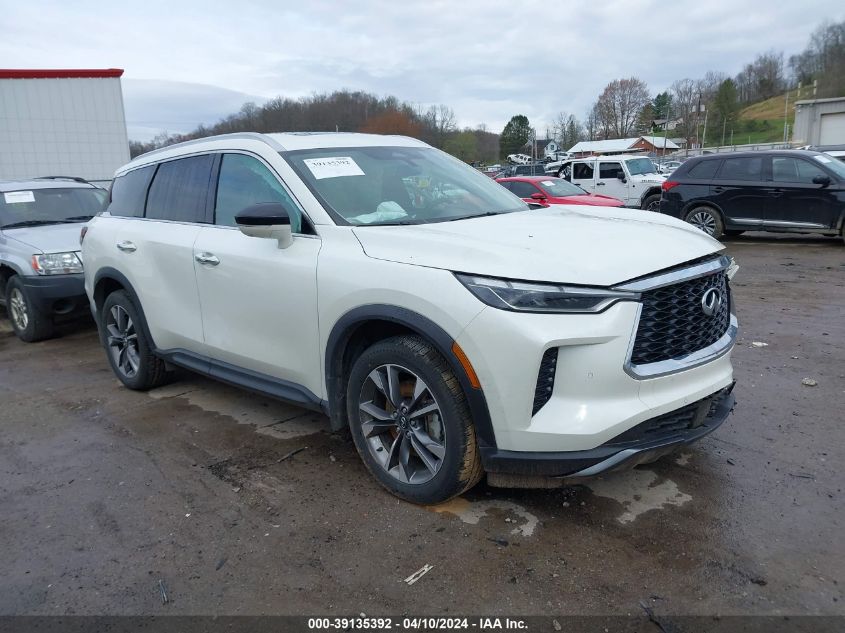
x=473 y=511
x=271 y=417
x=637 y=492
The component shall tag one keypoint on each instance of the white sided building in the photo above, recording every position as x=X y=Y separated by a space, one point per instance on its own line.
x=62 y=123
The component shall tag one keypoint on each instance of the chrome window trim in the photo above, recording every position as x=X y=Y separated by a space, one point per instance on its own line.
x=695 y=359
x=677 y=276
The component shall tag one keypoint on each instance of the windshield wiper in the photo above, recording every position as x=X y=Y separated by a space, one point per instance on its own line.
x=78 y=218
x=15 y=225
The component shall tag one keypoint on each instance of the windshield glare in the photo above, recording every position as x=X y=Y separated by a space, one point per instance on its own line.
x=837 y=167
x=558 y=188
x=399 y=185
x=640 y=166
x=47 y=206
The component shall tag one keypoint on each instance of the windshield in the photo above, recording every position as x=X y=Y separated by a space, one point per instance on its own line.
x=558 y=188
x=399 y=185
x=33 y=207
x=837 y=167
x=640 y=166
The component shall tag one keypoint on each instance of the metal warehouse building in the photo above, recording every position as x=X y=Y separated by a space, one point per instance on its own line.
x=62 y=123
x=820 y=122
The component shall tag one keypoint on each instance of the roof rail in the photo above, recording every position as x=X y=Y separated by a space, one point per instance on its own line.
x=254 y=136
x=74 y=178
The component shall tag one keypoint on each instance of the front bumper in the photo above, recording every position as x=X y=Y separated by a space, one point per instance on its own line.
x=56 y=294
x=643 y=443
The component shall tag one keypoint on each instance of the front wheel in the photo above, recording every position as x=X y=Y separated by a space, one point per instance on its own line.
x=29 y=323
x=652 y=203
x=410 y=421
x=706 y=219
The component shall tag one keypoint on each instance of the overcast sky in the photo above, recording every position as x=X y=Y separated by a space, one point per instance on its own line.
x=194 y=62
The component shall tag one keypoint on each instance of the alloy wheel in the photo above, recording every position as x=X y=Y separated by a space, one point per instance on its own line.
x=18 y=309
x=705 y=221
x=402 y=424
x=123 y=341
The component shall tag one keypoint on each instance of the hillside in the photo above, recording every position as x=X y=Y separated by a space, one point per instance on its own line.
x=762 y=122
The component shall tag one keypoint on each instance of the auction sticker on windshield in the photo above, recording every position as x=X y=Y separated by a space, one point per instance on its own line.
x=17 y=197
x=333 y=167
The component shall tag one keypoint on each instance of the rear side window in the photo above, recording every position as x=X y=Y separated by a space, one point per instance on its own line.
x=129 y=192
x=245 y=181
x=180 y=189
x=706 y=169
x=582 y=171
x=748 y=169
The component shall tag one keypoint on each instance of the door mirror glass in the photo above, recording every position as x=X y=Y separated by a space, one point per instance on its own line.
x=538 y=196
x=621 y=175
x=824 y=181
x=269 y=220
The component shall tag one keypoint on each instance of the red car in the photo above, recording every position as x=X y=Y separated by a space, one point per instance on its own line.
x=547 y=190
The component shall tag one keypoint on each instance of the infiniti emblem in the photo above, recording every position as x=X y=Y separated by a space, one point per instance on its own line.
x=711 y=301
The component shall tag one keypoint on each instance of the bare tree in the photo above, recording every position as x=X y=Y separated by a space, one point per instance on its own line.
x=567 y=130
x=620 y=104
x=685 y=100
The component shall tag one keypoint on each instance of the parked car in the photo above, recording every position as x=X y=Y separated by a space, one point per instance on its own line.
x=40 y=267
x=520 y=159
x=837 y=151
x=535 y=169
x=633 y=179
x=784 y=190
x=453 y=330
x=546 y=190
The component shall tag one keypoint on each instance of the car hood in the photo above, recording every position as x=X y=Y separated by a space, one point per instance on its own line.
x=568 y=244
x=50 y=238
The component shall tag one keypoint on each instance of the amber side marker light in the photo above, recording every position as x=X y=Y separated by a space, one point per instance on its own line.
x=462 y=358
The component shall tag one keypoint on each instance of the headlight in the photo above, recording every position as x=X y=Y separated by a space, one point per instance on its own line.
x=535 y=297
x=57 y=263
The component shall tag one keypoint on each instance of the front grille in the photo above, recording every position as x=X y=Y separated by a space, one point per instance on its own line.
x=545 y=379
x=673 y=323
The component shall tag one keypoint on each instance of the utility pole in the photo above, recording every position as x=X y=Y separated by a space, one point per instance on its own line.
x=704 y=135
x=724 y=125
x=786 y=117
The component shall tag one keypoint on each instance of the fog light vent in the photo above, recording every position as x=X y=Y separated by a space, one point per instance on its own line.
x=545 y=379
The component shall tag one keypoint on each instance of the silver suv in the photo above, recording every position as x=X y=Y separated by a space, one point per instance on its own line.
x=40 y=261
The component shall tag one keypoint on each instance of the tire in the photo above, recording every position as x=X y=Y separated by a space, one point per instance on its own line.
x=29 y=323
x=708 y=220
x=394 y=443
x=652 y=202
x=129 y=352
x=734 y=232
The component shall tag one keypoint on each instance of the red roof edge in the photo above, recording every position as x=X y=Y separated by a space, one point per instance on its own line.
x=62 y=73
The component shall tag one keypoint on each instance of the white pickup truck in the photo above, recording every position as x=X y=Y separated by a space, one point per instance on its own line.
x=633 y=179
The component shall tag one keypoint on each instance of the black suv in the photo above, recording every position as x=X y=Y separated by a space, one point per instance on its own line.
x=788 y=190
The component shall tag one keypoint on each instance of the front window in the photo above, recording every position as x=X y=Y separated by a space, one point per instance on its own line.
x=35 y=207
x=559 y=188
x=833 y=165
x=640 y=166
x=398 y=185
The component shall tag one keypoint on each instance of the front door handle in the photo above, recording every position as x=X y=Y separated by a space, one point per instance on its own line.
x=126 y=246
x=600 y=184
x=207 y=258
x=718 y=189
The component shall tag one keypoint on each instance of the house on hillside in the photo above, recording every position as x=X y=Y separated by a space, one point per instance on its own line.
x=540 y=148
x=652 y=145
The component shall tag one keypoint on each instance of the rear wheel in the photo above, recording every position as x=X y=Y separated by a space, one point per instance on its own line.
x=129 y=352
x=706 y=219
x=410 y=421
x=29 y=323
x=652 y=202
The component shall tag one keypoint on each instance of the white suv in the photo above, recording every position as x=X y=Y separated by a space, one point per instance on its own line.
x=628 y=177
x=453 y=329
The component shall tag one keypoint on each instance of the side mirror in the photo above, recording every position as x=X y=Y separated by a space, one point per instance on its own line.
x=269 y=220
x=620 y=175
x=824 y=181
x=538 y=196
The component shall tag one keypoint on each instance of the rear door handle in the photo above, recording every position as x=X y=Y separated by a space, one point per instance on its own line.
x=599 y=184
x=207 y=258
x=126 y=246
x=718 y=189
